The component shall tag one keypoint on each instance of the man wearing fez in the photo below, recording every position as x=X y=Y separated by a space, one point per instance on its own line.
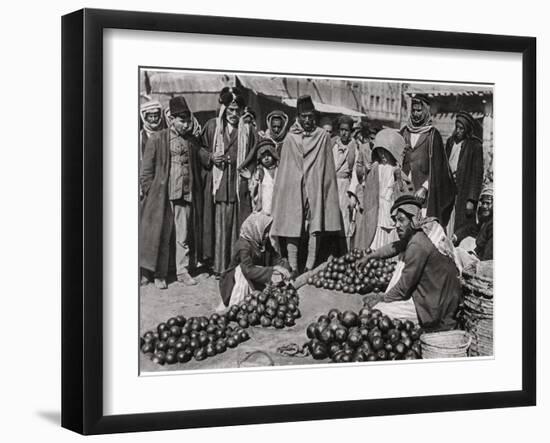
x=425 y=162
x=172 y=207
x=230 y=137
x=465 y=153
x=305 y=194
x=344 y=149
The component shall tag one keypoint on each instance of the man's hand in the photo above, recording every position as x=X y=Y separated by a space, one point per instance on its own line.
x=285 y=273
x=421 y=194
x=469 y=209
x=370 y=301
x=218 y=159
x=363 y=260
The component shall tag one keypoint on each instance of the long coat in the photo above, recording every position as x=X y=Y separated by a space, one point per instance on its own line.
x=156 y=215
x=227 y=191
x=428 y=161
x=306 y=176
x=469 y=177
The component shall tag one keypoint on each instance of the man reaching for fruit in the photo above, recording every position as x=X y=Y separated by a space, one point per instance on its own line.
x=430 y=273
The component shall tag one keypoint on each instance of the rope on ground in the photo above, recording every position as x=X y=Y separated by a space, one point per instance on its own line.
x=294 y=350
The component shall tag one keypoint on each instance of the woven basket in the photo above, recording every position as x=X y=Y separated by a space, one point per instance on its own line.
x=447 y=344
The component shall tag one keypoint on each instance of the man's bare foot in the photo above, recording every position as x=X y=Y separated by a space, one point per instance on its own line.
x=144 y=280
x=160 y=283
x=186 y=279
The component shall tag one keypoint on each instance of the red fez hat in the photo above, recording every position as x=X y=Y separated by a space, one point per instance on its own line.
x=304 y=104
x=178 y=105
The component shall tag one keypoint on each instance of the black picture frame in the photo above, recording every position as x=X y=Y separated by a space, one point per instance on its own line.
x=82 y=216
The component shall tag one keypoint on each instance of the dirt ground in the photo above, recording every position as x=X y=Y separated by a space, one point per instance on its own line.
x=157 y=306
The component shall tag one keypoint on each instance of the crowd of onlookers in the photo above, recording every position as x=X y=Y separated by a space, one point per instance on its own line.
x=300 y=186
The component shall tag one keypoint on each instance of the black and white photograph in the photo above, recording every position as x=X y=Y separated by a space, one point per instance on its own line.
x=290 y=219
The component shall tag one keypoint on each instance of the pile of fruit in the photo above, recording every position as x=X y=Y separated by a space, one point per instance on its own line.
x=178 y=340
x=367 y=336
x=344 y=274
x=275 y=306
x=181 y=339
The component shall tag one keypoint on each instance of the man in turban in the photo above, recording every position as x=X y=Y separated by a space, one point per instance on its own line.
x=305 y=194
x=425 y=161
x=172 y=207
x=344 y=150
x=465 y=153
x=277 y=128
x=482 y=231
x=150 y=114
x=430 y=273
x=230 y=138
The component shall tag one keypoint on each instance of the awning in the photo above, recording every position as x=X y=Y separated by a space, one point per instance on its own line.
x=327 y=109
x=270 y=86
x=449 y=90
x=185 y=83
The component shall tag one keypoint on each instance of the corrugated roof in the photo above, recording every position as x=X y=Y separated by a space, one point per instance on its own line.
x=271 y=86
x=328 y=109
x=182 y=82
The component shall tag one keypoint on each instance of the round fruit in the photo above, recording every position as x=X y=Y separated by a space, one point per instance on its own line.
x=165 y=335
x=162 y=346
x=200 y=354
x=220 y=347
x=171 y=358
x=243 y=336
x=382 y=354
x=279 y=323
x=355 y=338
x=289 y=321
x=341 y=334
x=265 y=321
x=182 y=357
x=377 y=343
x=326 y=336
x=159 y=358
x=171 y=322
x=147 y=348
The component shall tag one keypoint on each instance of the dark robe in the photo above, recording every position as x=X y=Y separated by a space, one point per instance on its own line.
x=431 y=279
x=226 y=193
x=483 y=233
x=468 y=178
x=156 y=215
x=306 y=186
x=428 y=161
x=256 y=266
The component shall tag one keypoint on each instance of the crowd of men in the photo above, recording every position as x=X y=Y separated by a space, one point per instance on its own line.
x=316 y=182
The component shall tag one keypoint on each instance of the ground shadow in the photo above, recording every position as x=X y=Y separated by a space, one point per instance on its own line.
x=53 y=417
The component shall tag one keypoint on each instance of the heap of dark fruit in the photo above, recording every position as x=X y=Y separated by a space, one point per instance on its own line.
x=275 y=306
x=368 y=336
x=344 y=274
x=181 y=339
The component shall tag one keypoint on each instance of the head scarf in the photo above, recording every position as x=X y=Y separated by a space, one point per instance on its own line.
x=276 y=114
x=426 y=123
x=150 y=106
x=254 y=228
x=429 y=225
x=392 y=141
x=487 y=190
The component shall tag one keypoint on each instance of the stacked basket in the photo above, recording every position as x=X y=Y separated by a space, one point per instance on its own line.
x=477 y=312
